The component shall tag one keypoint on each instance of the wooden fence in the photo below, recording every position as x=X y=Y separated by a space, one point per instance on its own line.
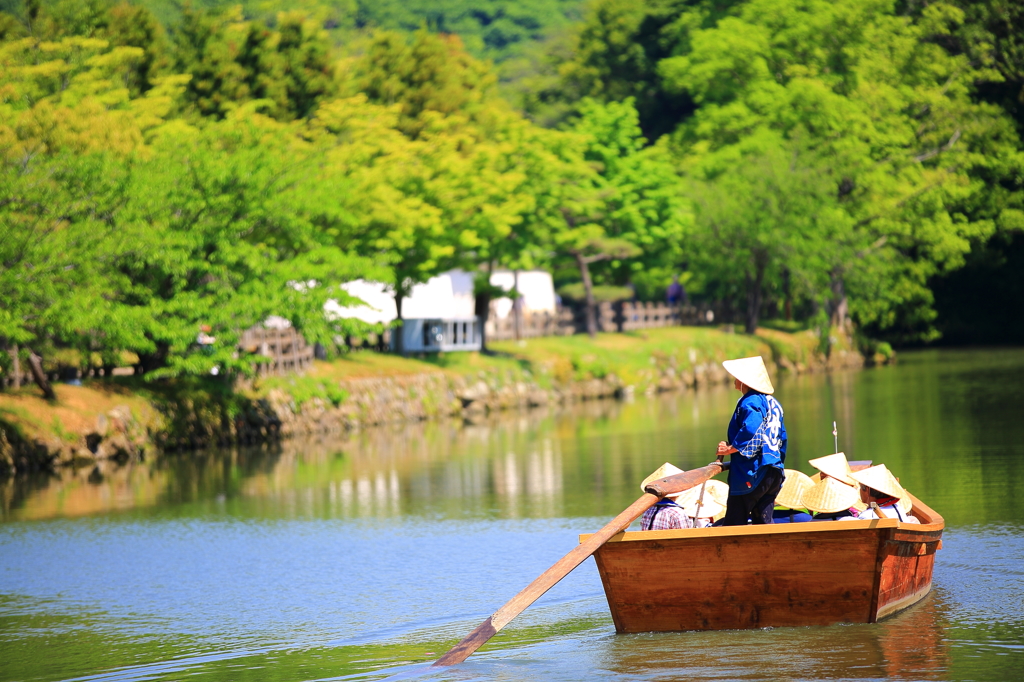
x=532 y=325
x=287 y=350
x=621 y=316
x=633 y=316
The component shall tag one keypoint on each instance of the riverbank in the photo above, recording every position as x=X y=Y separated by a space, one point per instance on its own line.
x=126 y=418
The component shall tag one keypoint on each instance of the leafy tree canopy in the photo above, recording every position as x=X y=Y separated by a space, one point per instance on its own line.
x=854 y=94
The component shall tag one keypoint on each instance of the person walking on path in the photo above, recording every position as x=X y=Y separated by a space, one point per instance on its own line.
x=675 y=293
x=757 y=434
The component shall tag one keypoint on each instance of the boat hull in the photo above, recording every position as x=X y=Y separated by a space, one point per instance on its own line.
x=817 y=573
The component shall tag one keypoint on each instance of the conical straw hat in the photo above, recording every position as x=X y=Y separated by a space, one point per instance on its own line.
x=829 y=496
x=664 y=470
x=716 y=496
x=752 y=372
x=719 y=490
x=905 y=505
x=709 y=508
x=792 y=493
x=835 y=466
x=881 y=479
x=689 y=496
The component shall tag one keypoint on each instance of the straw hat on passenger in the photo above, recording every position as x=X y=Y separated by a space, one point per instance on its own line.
x=752 y=372
x=829 y=496
x=881 y=479
x=664 y=470
x=709 y=508
x=792 y=493
x=719 y=490
x=905 y=505
x=715 y=493
x=835 y=466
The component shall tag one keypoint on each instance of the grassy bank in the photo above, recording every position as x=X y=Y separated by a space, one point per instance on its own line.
x=123 y=417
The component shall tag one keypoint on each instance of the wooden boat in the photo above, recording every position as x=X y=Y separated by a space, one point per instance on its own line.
x=816 y=573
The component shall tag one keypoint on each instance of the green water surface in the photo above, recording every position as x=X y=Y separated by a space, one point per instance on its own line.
x=367 y=556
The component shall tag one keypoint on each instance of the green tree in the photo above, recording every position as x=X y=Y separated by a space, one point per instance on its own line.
x=203 y=43
x=308 y=71
x=135 y=26
x=218 y=233
x=425 y=205
x=430 y=73
x=234 y=61
x=69 y=132
x=564 y=220
x=759 y=218
x=888 y=111
x=641 y=195
x=55 y=232
x=617 y=49
x=601 y=202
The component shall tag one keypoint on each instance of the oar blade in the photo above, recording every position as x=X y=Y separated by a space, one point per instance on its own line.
x=469 y=644
x=542 y=583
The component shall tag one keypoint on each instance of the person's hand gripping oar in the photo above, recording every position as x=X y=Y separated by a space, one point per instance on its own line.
x=545 y=581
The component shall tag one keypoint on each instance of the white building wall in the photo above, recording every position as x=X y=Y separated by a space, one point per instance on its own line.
x=535 y=286
x=448 y=296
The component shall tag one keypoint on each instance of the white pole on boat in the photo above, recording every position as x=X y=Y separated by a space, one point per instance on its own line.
x=835 y=435
x=700 y=498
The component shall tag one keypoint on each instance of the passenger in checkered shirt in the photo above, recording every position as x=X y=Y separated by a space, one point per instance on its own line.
x=665 y=515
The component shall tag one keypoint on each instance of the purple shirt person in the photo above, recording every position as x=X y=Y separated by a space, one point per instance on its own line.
x=674 y=294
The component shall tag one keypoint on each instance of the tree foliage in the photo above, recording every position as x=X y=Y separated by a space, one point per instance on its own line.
x=895 y=169
x=163 y=169
x=126 y=230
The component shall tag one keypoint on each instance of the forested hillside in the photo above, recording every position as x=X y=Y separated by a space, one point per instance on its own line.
x=822 y=164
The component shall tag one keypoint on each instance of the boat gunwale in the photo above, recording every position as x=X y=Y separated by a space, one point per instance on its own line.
x=734 y=531
x=923 y=511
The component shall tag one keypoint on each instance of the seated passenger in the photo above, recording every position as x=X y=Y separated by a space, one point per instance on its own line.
x=831 y=500
x=878 y=485
x=666 y=514
x=789 y=506
x=838 y=467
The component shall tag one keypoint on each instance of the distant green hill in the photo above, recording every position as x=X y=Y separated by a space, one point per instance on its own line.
x=491 y=29
x=517 y=35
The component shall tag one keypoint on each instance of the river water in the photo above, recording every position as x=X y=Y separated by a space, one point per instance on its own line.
x=367 y=557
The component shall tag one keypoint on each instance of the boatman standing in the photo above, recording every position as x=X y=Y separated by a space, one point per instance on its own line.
x=757 y=441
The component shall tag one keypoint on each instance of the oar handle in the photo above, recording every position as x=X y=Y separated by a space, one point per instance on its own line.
x=678 y=483
x=546 y=580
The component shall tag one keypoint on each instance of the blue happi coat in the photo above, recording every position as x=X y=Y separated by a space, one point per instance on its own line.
x=758 y=448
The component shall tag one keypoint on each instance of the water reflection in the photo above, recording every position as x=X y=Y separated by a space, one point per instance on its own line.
x=910 y=646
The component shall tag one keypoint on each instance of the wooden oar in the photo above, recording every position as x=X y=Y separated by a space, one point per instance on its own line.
x=546 y=580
